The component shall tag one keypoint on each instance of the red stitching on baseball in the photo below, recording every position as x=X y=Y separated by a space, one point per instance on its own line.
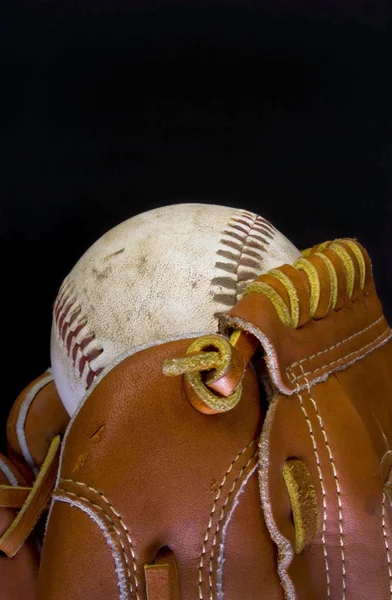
x=256 y=243
x=62 y=297
x=239 y=227
x=242 y=221
x=66 y=313
x=87 y=340
x=257 y=236
x=246 y=232
x=91 y=375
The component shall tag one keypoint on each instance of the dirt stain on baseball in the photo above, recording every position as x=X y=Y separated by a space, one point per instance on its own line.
x=100 y=275
x=141 y=263
x=113 y=254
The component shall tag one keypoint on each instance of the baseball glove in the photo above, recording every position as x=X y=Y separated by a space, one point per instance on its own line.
x=243 y=452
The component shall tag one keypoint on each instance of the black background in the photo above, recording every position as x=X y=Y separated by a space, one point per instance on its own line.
x=282 y=108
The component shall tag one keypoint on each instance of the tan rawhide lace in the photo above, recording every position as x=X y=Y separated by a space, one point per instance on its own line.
x=213 y=368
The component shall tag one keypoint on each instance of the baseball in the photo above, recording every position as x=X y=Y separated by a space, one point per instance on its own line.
x=164 y=274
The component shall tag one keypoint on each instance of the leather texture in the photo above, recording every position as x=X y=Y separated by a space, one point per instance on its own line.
x=18 y=576
x=37 y=416
x=330 y=406
x=156 y=499
x=143 y=470
x=167 y=273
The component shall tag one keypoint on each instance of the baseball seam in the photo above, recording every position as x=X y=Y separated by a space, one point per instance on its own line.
x=243 y=242
x=77 y=340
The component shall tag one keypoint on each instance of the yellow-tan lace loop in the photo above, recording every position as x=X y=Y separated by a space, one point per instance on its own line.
x=293 y=295
x=313 y=249
x=192 y=364
x=360 y=260
x=348 y=265
x=214 y=364
x=279 y=304
x=289 y=315
x=333 y=278
x=323 y=246
x=302 y=264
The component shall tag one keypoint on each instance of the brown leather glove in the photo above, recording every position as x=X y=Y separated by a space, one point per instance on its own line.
x=27 y=476
x=257 y=467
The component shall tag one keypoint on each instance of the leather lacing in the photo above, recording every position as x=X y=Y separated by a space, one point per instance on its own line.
x=352 y=265
x=326 y=277
x=215 y=356
x=32 y=501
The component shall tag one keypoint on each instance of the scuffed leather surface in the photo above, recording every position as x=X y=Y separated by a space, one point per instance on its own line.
x=142 y=470
x=319 y=346
x=158 y=473
x=331 y=407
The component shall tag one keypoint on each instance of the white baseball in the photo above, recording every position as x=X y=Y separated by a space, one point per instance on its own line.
x=166 y=273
